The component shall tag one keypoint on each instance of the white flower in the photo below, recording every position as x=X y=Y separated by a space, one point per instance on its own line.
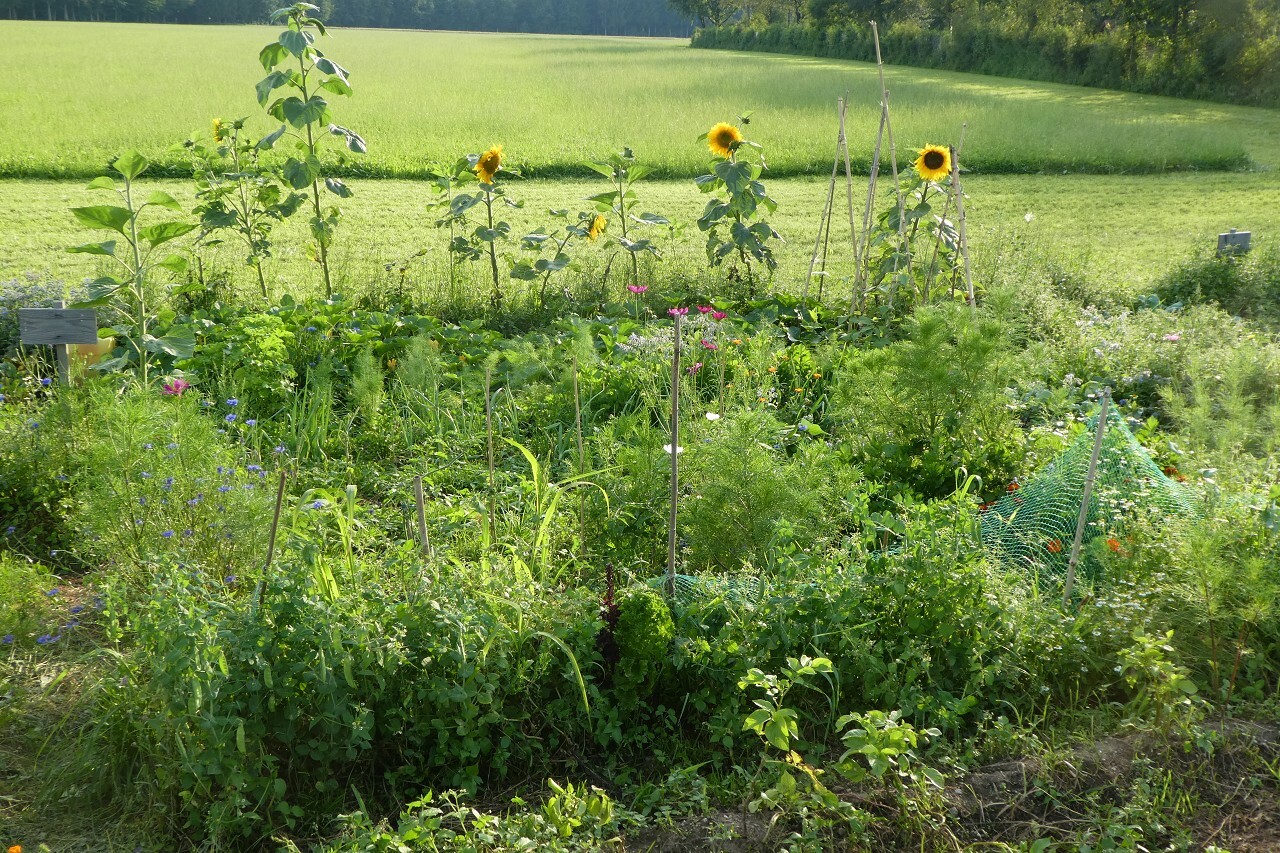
x=712 y=416
x=667 y=448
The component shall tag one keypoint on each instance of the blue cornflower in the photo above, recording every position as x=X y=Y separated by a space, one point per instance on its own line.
x=74 y=623
x=142 y=501
x=9 y=530
x=46 y=382
x=168 y=534
x=251 y=422
x=230 y=418
x=168 y=482
x=280 y=448
x=148 y=446
x=77 y=609
x=146 y=475
x=51 y=593
x=224 y=489
x=173 y=445
x=2 y=399
x=233 y=402
x=46 y=639
x=7 y=639
x=188 y=533
x=312 y=329
x=229 y=579
x=253 y=468
x=317 y=504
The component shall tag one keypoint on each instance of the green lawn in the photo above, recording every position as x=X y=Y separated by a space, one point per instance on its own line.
x=1122 y=230
x=76 y=93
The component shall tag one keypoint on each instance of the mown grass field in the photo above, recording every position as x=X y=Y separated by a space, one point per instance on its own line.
x=1121 y=230
x=76 y=94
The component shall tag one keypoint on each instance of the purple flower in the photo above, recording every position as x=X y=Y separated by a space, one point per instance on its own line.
x=46 y=639
x=637 y=289
x=229 y=579
x=224 y=489
x=7 y=639
x=705 y=309
x=693 y=368
x=174 y=388
x=251 y=422
x=51 y=593
x=46 y=382
x=77 y=609
x=233 y=402
x=8 y=531
x=677 y=312
x=319 y=504
x=706 y=344
x=718 y=315
x=280 y=448
x=230 y=418
x=168 y=534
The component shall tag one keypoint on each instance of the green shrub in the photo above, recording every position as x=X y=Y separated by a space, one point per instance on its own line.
x=1242 y=285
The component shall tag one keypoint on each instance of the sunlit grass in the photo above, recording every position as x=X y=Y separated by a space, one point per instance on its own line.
x=77 y=93
x=1123 y=230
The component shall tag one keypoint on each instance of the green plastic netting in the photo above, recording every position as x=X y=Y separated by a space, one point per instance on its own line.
x=1034 y=525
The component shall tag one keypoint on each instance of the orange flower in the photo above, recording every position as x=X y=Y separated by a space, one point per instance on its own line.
x=1054 y=546
x=17 y=848
x=1012 y=487
x=773 y=370
x=1114 y=545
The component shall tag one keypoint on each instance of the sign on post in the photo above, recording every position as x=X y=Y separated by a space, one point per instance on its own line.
x=1234 y=242
x=58 y=326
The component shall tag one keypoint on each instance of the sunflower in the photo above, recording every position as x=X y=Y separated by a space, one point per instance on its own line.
x=723 y=139
x=597 y=226
x=934 y=163
x=489 y=164
x=219 y=130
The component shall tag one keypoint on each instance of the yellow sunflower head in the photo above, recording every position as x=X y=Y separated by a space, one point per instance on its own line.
x=598 y=224
x=489 y=164
x=723 y=139
x=219 y=130
x=934 y=162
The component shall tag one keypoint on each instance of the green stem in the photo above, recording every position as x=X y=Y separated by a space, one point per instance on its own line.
x=493 y=252
x=139 y=283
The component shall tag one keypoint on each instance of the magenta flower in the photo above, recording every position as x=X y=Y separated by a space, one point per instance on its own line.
x=693 y=368
x=678 y=312
x=637 y=289
x=718 y=315
x=706 y=344
x=705 y=309
x=175 y=388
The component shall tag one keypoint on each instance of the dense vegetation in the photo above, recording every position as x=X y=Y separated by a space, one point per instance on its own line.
x=291 y=568
x=607 y=18
x=1221 y=51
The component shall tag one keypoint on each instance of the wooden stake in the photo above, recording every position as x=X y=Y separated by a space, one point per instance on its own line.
x=488 y=428
x=858 y=298
x=1083 y=518
x=825 y=221
x=964 y=239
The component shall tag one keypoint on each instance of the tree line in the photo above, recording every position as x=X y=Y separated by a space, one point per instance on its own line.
x=580 y=17
x=1219 y=49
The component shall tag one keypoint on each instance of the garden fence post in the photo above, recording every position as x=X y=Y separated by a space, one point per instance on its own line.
x=848 y=177
x=1083 y=518
x=824 y=224
x=271 y=539
x=964 y=238
x=893 y=165
x=860 y=256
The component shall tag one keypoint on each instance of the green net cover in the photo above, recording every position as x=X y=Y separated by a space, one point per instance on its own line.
x=690 y=588
x=1034 y=524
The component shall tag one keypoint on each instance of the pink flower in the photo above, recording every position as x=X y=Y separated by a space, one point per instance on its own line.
x=706 y=344
x=704 y=309
x=693 y=368
x=175 y=388
x=678 y=312
x=718 y=315
x=1173 y=337
x=637 y=289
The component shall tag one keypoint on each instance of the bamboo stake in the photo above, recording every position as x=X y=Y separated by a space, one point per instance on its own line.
x=675 y=460
x=582 y=456
x=893 y=164
x=824 y=222
x=848 y=178
x=860 y=274
x=964 y=238
x=1083 y=518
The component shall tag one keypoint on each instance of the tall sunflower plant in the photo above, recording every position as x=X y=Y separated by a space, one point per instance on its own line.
x=913 y=254
x=551 y=246
x=622 y=171
x=732 y=220
x=473 y=208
